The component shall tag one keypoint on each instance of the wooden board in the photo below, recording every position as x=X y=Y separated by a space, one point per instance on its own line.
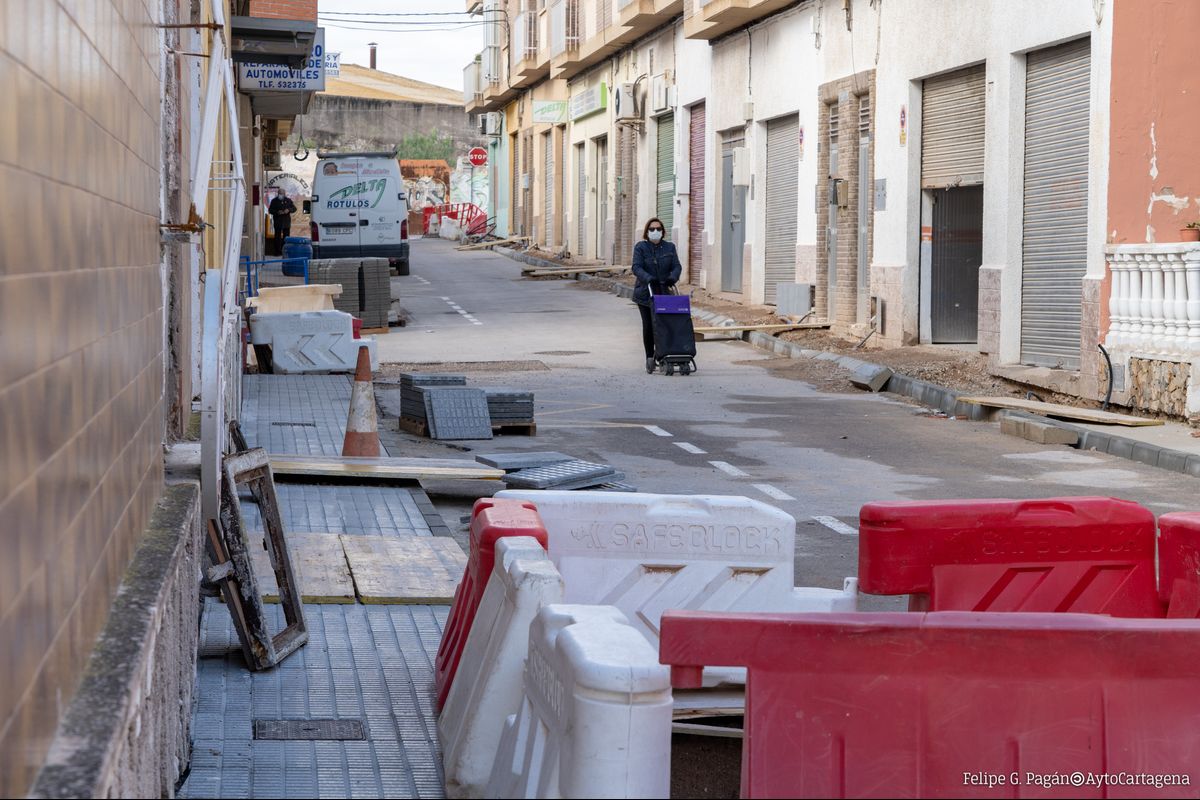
x=396 y=469
x=376 y=331
x=1061 y=411
x=546 y=272
x=779 y=327
x=321 y=569
x=405 y=570
x=484 y=245
x=309 y=297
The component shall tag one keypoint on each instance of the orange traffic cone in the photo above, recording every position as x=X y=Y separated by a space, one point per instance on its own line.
x=362 y=427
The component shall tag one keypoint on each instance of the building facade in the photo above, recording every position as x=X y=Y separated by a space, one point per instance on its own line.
x=129 y=161
x=933 y=173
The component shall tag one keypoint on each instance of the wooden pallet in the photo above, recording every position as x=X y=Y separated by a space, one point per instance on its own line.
x=515 y=429
x=421 y=428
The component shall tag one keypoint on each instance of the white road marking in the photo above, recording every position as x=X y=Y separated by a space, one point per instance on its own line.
x=729 y=469
x=691 y=448
x=771 y=491
x=657 y=431
x=837 y=525
x=447 y=299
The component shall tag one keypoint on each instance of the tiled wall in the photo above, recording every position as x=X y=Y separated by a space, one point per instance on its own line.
x=81 y=341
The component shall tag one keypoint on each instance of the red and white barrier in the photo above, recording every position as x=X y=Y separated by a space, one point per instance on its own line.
x=491 y=520
x=487 y=688
x=955 y=704
x=647 y=553
x=1081 y=554
x=595 y=718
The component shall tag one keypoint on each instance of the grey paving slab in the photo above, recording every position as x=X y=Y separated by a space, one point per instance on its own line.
x=371 y=663
x=343 y=508
x=564 y=475
x=303 y=414
x=457 y=413
x=518 y=460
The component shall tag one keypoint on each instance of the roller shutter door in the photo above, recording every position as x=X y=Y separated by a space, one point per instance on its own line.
x=580 y=201
x=1054 y=226
x=783 y=174
x=515 y=211
x=952 y=129
x=665 y=205
x=696 y=194
x=626 y=192
x=548 y=190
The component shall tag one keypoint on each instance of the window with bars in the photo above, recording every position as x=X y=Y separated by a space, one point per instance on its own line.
x=864 y=116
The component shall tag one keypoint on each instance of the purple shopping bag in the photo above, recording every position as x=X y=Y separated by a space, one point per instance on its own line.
x=672 y=304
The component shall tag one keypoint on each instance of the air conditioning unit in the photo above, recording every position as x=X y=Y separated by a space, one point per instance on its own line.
x=490 y=124
x=662 y=93
x=624 y=103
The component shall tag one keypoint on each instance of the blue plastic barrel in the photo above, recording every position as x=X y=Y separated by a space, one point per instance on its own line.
x=296 y=247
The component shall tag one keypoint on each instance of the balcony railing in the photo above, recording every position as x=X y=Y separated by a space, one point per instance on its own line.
x=491 y=66
x=1154 y=304
x=472 y=80
x=524 y=37
x=564 y=26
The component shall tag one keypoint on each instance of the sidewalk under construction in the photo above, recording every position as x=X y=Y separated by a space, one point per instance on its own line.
x=364 y=680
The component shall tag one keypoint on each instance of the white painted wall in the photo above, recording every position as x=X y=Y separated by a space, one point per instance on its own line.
x=587 y=130
x=918 y=40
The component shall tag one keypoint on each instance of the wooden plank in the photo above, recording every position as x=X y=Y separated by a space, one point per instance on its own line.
x=545 y=272
x=321 y=570
x=405 y=570
x=484 y=245
x=398 y=469
x=1061 y=411
x=376 y=331
x=774 y=327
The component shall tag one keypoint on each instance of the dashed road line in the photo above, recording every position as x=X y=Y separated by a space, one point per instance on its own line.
x=729 y=469
x=772 y=492
x=691 y=448
x=837 y=525
x=657 y=431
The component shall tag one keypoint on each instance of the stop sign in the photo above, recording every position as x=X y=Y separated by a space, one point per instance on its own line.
x=477 y=157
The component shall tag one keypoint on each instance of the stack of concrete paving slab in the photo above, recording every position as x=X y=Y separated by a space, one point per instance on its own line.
x=366 y=286
x=551 y=470
x=455 y=413
x=510 y=406
x=412 y=396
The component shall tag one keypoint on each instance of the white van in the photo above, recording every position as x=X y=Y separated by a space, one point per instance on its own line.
x=359 y=208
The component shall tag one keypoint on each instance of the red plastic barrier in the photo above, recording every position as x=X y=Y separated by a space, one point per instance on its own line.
x=1179 y=564
x=1081 y=554
x=491 y=519
x=938 y=705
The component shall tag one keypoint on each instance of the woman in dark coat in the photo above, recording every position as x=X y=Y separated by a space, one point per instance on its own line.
x=654 y=262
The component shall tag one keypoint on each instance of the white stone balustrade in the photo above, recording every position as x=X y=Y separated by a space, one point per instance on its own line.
x=1154 y=302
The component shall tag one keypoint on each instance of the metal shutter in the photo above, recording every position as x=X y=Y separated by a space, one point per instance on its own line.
x=665 y=206
x=1054 y=228
x=529 y=170
x=952 y=129
x=548 y=200
x=580 y=200
x=696 y=197
x=783 y=175
x=563 y=232
x=626 y=191
x=515 y=212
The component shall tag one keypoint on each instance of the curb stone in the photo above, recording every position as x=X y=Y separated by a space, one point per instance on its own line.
x=946 y=400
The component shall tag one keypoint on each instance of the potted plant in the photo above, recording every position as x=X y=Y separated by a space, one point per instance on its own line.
x=1190 y=233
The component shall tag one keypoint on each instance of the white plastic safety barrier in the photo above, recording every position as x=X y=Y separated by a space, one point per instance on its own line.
x=595 y=718
x=487 y=685
x=310 y=341
x=650 y=553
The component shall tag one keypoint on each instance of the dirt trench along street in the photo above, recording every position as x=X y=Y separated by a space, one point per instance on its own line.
x=738 y=426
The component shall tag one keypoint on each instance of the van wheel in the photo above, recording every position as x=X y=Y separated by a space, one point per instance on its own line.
x=400 y=265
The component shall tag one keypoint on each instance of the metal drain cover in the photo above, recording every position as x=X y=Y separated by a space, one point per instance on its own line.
x=310 y=730
x=561 y=353
x=295 y=424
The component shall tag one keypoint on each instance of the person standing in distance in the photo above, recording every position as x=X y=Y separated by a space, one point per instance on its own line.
x=656 y=262
x=281 y=210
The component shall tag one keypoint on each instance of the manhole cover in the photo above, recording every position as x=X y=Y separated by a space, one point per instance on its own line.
x=561 y=353
x=310 y=730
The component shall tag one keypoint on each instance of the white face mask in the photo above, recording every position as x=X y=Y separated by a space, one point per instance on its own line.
x=656 y=236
